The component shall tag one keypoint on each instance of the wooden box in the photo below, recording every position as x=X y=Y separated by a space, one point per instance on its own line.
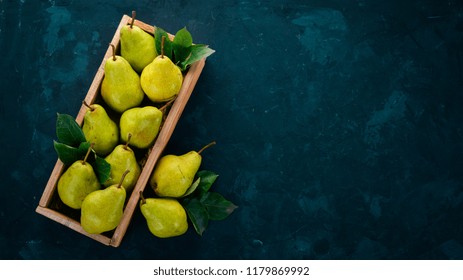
x=47 y=205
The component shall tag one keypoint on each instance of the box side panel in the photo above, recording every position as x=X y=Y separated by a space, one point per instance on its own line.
x=190 y=79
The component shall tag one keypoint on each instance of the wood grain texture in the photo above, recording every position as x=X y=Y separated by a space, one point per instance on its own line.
x=175 y=112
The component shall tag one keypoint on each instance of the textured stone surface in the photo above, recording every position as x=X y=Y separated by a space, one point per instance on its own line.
x=338 y=125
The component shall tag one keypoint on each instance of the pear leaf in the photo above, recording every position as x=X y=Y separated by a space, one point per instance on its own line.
x=198 y=52
x=183 y=38
x=68 y=154
x=192 y=188
x=197 y=214
x=158 y=34
x=83 y=148
x=68 y=131
x=207 y=179
x=218 y=208
x=102 y=169
x=182 y=45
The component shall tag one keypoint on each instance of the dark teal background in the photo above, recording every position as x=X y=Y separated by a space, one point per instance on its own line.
x=339 y=125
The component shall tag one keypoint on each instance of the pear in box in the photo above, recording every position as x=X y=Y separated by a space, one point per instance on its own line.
x=137 y=46
x=161 y=80
x=120 y=88
x=102 y=210
x=77 y=182
x=100 y=129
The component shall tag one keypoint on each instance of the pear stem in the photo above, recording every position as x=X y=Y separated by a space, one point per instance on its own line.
x=163 y=108
x=129 y=135
x=122 y=178
x=207 y=146
x=133 y=19
x=88 y=153
x=88 y=106
x=163 y=39
x=143 y=201
x=114 y=51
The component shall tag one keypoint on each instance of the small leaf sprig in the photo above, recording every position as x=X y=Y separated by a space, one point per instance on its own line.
x=72 y=146
x=181 y=49
x=203 y=205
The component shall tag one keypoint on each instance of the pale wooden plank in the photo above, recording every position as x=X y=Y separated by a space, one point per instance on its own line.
x=47 y=194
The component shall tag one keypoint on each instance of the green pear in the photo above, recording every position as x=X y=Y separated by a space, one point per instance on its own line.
x=161 y=80
x=120 y=88
x=165 y=217
x=143 y=123
x=102 y=210
x=174 y=174
x=123 y=158
x=77 y=182
x=137 y=46
x=100 y=129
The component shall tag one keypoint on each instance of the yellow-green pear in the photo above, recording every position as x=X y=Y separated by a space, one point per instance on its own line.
x=120 y=88
x=77 y=182
x=173 y=174
x=102 y=210
x=165 y=217
x=137 y=46
x=161 y=80
x=143 y=124
x=123 y=158
x=100 y=129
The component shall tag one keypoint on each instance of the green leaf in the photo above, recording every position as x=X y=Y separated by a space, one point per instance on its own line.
x=68 y=131
x=218 y=208
x=83 y=148
x=183 y=38
x=207 y=179
x=68 y=154
x=102 y=169
x=197 y=214
x=198 y=52
x=182 y=44
x=192 y=188
x=158 y=33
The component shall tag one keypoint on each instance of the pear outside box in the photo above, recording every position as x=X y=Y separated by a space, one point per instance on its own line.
x=50 y=205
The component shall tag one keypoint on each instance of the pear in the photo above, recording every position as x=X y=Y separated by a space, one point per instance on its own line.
x=120 y=88
x=174 y=174
x=77 y=182
x=161 y=80
x=123 y=158
x=100 y=129
x=102 y=210
x=137 y=46
x=165 y=217
x=143 y=124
